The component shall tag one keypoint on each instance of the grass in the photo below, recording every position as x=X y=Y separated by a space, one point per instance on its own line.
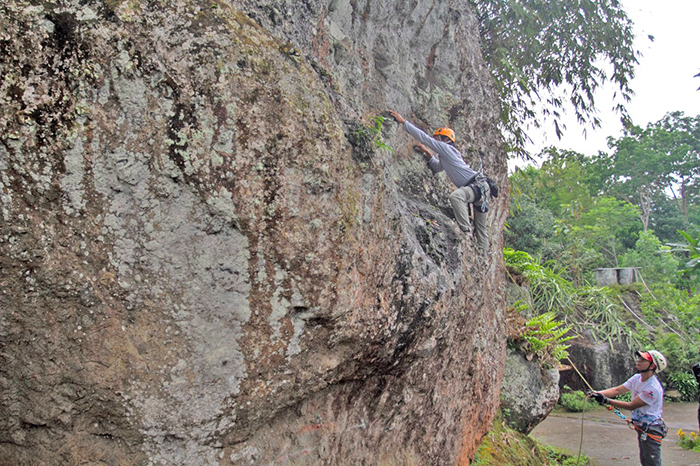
x=506 y=447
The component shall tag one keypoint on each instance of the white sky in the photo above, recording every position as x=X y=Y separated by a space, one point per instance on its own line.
x=664 y=79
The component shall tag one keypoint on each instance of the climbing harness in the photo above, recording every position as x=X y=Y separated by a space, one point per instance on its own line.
x=643 y=434
x=481 y=187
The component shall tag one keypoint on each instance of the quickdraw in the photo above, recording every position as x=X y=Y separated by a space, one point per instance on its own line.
x=618 y=412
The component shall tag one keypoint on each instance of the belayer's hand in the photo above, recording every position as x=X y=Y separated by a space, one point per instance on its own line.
x=600 y=398
x=399 y=119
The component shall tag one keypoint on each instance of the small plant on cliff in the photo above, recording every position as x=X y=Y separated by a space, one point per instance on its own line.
x=372 y=132
x=546 y=338
x=376 y=131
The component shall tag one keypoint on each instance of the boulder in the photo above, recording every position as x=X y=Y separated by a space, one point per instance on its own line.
x=528 y=391
x=602 y=366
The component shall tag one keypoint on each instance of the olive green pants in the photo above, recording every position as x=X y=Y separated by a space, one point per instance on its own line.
x=460 y=200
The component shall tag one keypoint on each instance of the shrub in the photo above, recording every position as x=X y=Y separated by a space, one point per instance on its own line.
x=685 y=383
x=575 y=401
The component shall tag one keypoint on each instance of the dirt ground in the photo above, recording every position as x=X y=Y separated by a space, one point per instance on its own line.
x=608 y=441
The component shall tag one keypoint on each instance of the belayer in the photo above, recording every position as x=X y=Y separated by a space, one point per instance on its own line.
x=646 y=405
x=472 y=186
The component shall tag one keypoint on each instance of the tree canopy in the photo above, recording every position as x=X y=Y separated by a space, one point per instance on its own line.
x=647 y=163
x=548 y=54
x=583 y=212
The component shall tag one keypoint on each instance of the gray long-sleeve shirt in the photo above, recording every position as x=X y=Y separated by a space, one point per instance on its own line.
x=449 y=159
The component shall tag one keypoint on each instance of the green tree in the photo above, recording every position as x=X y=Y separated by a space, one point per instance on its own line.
x=680 y=140
x=531 y=229
x=577 y=255
x=545 y=54
x=648 y=163
x=610 y=224
x=667 y=218
x=639 y=170
x=564 y=179
x=656 y=263
x=595 y=237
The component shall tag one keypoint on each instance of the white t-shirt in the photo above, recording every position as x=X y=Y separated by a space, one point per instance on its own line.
x=652 y=393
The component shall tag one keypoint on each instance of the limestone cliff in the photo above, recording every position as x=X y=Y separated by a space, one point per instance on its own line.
x=206 y=257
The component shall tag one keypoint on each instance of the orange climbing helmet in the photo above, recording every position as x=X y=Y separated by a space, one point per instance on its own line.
x=445 y=132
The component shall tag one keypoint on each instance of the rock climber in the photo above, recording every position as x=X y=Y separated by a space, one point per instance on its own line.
x=696 y=372
x=646 y=405
x=445 y=157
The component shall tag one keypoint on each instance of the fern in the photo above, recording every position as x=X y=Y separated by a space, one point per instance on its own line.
x=545 y=338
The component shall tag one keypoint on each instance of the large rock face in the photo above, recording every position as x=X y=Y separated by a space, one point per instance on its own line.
x=206 y=259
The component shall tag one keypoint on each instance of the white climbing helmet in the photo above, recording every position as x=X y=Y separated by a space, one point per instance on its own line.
x=654 y=356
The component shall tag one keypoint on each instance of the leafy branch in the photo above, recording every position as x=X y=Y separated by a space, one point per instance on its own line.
x=545 y=338
x=546 y=55
x=692 y=249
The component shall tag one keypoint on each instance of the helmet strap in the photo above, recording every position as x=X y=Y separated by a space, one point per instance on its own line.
x=648 y=368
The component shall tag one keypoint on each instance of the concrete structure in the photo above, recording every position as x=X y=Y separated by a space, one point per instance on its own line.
x=616 y=276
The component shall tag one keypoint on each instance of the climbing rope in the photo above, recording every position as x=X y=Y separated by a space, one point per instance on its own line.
x=580 y=445
x=579 y=374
